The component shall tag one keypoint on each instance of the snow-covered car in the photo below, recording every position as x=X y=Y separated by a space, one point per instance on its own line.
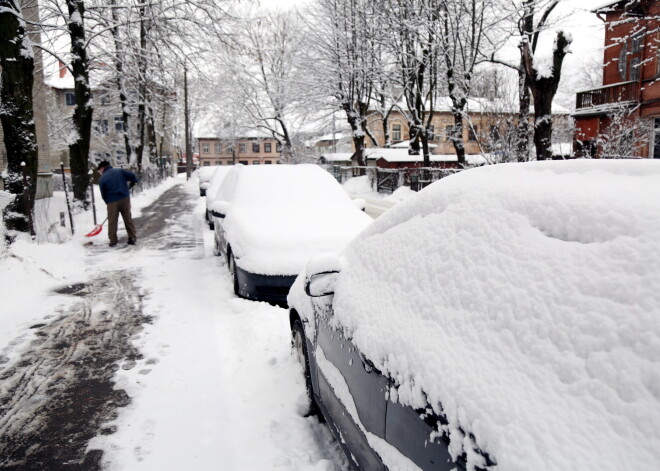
x=503 y=318
x=212 y=191
x=269 y=220
x=204 y=174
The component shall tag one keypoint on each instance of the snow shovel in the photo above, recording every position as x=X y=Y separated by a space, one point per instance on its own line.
x=97 y=229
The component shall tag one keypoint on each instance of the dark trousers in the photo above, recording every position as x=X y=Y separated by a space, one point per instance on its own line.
x=114 y=209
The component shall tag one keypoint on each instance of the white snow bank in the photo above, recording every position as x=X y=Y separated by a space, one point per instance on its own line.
x=400 y=194
x=360 y=187
x=523 y=300
x=280 y=216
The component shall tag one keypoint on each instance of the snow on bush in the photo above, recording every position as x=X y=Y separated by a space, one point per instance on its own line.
x=521 y=300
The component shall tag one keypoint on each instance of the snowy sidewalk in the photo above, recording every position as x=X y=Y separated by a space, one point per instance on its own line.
x=211 y=382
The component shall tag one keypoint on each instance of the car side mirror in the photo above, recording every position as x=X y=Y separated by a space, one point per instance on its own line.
x=321 y=284
x=360 y=204
x=219 y=209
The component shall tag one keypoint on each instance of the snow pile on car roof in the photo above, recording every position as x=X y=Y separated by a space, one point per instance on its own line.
x=280 y=216
x=524 y=299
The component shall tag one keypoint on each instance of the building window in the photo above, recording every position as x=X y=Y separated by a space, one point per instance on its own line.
x=268 y=147
x=635 y=68
x=119 y=124
x=494 y=132
x=243 y=162
x=105 y=99
x=472 y=133
x=120 y=156
x=230 y=149
x=449 y=131
x=207 y=163
x=430 y=132
x=637 y=43
x=623 y=62
x=70 y=98
x=218 y=162
x=218 y=148
x=255 y=162
x=278 y=147
x=396 y=132
x=101 y=126
x=256 y=148
x=205 y=148
x=242 y=148
x=268 y=162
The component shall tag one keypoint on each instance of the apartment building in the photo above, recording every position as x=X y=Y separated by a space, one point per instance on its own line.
x=622 y=118
x=242 y=150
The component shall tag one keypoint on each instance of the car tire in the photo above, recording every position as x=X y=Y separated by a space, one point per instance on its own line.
x=299 y=347
x=216 y=247
x=234 y=273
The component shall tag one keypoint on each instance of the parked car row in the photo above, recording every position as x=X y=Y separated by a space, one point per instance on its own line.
x=269 y=221
x=204 y=175
x=503 y=318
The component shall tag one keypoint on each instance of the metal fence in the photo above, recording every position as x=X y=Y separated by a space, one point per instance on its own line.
x=387 y=180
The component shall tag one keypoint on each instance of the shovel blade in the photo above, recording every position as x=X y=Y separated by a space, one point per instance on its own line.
x=96 y=231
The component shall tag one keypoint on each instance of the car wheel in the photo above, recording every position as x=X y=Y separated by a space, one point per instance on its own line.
x=234 y=273
x=299 y=346
x=216 y=247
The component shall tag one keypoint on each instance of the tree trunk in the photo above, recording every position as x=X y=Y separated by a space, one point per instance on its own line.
x=17 y=118
x=82 y=116
x=543 y=91
x=119 y=67
x=523 y=130
x=543 y=125
x=457 y=136
x=142 y=89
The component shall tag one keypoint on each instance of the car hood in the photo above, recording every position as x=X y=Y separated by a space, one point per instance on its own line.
x=279 y=242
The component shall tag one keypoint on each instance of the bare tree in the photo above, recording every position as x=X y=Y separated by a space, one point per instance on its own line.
x=344 y=36
x=541 y=78
x=82 y=115
x=265 y=60
x=416 y=44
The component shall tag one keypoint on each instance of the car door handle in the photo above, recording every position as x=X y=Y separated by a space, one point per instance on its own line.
x=368 y=365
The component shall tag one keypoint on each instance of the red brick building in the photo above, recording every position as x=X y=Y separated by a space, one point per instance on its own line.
x=622 y=118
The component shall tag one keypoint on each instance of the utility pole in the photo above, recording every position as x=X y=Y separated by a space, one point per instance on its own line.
x=186 y=112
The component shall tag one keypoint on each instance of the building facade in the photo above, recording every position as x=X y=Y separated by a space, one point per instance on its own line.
x=242 y=150
x=491 y=128
x=622 y=118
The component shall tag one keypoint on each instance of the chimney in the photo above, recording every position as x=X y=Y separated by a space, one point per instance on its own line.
x=62 y=69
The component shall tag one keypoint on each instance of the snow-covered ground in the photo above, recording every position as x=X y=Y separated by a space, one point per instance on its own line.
x=216 y=387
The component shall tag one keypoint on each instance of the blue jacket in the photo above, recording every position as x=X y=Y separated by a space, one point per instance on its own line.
x=114 y=184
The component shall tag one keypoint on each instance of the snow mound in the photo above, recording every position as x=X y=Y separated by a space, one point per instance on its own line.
x=360 y=187
x=400 y=194
x=521 y=300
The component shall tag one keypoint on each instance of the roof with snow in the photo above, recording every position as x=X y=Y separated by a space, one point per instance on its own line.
x=337 y=156
x=485 y=105
x=401 y=155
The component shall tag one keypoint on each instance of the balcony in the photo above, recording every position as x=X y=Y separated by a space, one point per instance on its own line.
x=610 y=94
